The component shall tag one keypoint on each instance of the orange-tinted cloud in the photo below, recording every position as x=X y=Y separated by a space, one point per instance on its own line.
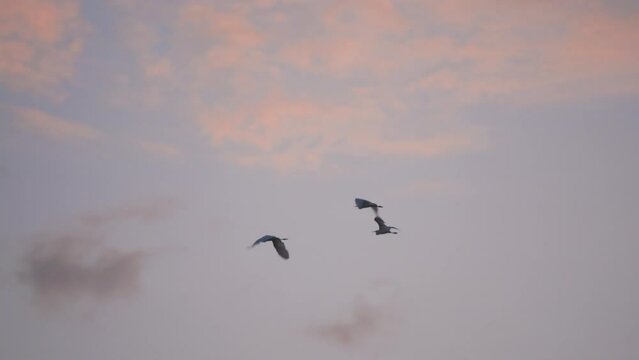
x=355 y=35
x=289 y=134
x=159 y=68
x=39 y=42
x=536 y=51
x=365 y=16
x=277 y=85
x=484 y=48
x=230 y=38
x=52 y=126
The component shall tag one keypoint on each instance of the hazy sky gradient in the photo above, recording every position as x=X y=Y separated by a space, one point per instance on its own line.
x=144 y=147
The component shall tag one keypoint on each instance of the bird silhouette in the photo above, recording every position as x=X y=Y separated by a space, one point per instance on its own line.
x=278 y=244
x=383 y=228
x=361 y=204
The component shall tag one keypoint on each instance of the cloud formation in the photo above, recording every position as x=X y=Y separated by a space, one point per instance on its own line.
x=382 y=77
x=70 y=268
x=369 y=315
x=290 y=134
x=78 y=265
x=39 y=41
x=363 y=322
x=53 y=126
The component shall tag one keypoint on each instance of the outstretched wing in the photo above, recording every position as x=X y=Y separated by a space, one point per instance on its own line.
x=264 y=238
x=380 y=222
x=280 y=248
x=361 y=203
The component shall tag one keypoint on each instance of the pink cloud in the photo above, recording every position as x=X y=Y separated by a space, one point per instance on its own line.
x=233 y=27
x=365 y=15
x=510 y=48
x=39 y=40
x=598 y=45
x=54 y=127
x=339 y=55
x=345 y=82
x=356 y=35
x=36 y=19
x=289 y=134
x=159 y=69
x=535 y=51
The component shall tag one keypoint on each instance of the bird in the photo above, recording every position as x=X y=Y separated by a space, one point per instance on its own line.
x=278 y=244
x=361 y=204
x=383 y=228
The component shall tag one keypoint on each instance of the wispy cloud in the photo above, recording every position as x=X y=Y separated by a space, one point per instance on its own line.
x=533 y=51
x=39 y=41
x=291 y=134
x=381 y=77
x=52 y=126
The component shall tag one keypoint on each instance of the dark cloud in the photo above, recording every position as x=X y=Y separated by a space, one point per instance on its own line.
x=364 y=321
x=78 y=265
x=371 y=313
x=69 y=268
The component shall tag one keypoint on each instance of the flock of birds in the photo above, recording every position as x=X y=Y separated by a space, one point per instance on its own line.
x=279 y=246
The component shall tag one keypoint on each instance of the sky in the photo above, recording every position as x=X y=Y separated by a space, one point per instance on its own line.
x=145 y=145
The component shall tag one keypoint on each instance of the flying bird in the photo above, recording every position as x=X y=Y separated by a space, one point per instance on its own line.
x=383 y=228
x=278 y=244
x=361 y=204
